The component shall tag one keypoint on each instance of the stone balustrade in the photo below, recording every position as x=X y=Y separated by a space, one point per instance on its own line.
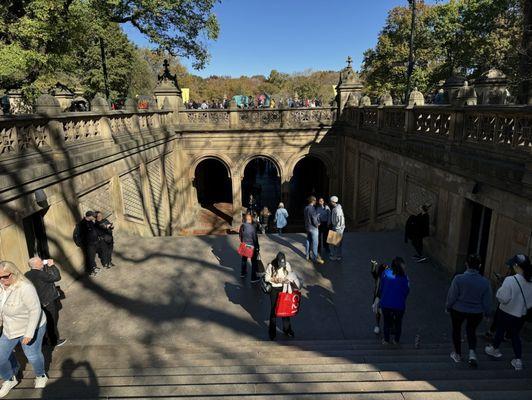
x=26 y=133
x=259 y=118
x=499 y=127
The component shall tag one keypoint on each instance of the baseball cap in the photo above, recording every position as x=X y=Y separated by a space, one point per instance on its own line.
x=89 y=214
x=334 y=199
x=519 y=259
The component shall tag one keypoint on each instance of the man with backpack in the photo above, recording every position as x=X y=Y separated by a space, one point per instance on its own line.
x=86 y=237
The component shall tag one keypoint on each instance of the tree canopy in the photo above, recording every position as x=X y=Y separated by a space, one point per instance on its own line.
x=465 y=37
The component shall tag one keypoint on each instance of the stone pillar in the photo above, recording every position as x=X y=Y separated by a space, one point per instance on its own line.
x=349 y=85
x=168 y=93
x=48 y=106
x=236 y=184
x=233 y=114
x=451 y=87
x=99 y=104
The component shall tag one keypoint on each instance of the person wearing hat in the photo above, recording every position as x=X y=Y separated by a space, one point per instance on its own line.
x=515 y=298
x=338 y=226
x=279 y=274
x=88 y=235
x=417 y=228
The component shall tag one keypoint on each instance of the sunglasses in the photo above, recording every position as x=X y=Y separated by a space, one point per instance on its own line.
x=5 y=276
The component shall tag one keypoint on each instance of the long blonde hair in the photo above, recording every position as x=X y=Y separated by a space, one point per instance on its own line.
x=10 y=267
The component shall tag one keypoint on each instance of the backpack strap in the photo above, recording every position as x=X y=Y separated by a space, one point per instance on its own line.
x=521 y=289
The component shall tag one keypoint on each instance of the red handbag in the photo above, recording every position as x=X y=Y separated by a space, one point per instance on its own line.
x=288 y=304
x=245 y=250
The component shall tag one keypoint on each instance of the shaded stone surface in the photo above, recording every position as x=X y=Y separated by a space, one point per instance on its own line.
x=172 y=290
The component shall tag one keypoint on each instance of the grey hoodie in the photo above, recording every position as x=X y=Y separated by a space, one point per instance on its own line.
x=337 y=219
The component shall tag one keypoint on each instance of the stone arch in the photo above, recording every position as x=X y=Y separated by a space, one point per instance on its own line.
x=292 y=162
x=218 y=157
x=275 y=160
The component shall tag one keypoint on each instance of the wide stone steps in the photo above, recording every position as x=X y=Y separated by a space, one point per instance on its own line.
x=267 y=370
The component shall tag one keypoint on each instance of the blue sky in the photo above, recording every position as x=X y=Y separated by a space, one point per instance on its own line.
x=257 y=36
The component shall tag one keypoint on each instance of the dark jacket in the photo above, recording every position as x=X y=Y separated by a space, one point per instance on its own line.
x=44 y=282
x=393 y=290
x=248 y=235
x=88 y=232
x=311 y=218
x=103 y=230
x=417 y=226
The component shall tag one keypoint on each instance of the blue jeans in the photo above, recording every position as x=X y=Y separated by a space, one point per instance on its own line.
x=312 y=244
x=9 y=365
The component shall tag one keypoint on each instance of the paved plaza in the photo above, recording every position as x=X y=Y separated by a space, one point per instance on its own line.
x=188 y=289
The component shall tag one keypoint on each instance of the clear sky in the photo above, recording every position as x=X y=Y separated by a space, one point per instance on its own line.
x=257 y=36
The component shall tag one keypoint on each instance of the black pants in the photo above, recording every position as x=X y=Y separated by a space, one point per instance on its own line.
x=273 y=324
x=393 y=321
x=472 y=322
x=105 y=252
x=52 y=318
x=89 y=252
x=512 y=327
x=244 y=266
x=323 y=232
x=417 y=242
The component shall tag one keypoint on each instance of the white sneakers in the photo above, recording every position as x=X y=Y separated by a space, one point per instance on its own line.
x=456 y=357
x=492 y=351
x=7 y=386
x=517 y=364
x=40 y=382
x=376 y=330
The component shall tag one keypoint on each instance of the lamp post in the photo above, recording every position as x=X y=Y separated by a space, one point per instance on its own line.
x=104 y=68
x=526 y=54
x=410 y=67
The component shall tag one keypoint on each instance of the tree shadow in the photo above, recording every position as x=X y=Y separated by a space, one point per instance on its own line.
x=67 y=386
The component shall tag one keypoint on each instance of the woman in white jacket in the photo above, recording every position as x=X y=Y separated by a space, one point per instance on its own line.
x=515 y=297
x=279 y=274
x=23 y=322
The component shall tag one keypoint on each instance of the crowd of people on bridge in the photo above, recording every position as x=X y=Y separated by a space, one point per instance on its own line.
x=253 y=103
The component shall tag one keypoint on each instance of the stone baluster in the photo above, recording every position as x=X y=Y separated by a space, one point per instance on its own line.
x=48 y=106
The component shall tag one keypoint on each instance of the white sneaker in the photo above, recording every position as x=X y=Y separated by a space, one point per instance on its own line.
x=473 y=363
x=7 y=386
x=456 y=357
x=376 y=330
x=40 y=382
x=517 y=364
x=492 y=351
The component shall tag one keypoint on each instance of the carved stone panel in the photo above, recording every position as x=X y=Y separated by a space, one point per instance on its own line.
x=386 y=190
x=158 y=205
x=169 y=173
x=365 y=188
x=132 y=195
x=98 y=199
x=417 y=194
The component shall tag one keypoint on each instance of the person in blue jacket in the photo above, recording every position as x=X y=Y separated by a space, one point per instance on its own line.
x=393 y=290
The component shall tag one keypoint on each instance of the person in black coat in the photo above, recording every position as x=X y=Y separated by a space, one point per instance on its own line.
x=105 y=234
x=248 y=235
x=416 y=229
x=43 y=274
x=86 y=237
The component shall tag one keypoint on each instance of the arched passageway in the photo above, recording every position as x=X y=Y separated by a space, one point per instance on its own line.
x=212 y=183
x=262 y=180
x=310 y=177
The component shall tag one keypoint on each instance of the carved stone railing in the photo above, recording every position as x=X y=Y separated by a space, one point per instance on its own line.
x=501 y=127
x=27 y=133
x=260 y=118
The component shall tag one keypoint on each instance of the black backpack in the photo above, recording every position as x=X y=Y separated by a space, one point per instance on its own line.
x=76 y=235
x=528 y=315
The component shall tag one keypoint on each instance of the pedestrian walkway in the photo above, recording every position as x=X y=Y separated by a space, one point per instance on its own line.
x=174 y=320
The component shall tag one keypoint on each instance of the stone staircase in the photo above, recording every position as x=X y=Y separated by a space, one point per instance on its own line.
x=213 y=219
x=326 y=369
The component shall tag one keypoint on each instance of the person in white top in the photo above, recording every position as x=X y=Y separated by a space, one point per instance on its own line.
x=515 y=298
x=279 y=274
x=24 y=322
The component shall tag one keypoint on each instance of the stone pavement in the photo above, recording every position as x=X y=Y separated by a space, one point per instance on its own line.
x=183 y=289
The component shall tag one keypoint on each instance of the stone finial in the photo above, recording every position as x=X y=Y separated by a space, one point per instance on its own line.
x=365 y=101
x=386 y=99
x=99 y=104
x=166 y=104
x=348 y=76
x=130 y=105
x=47 y=104
x=416 y=98
x=466 y=95
x=492 y=87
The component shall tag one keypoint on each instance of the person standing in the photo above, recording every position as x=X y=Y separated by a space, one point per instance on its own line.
x=87 y=239
x=24 y=322
x=324 y=217
x=106 y=242
x=311 y=227
x=515 y=299
x=376 y=272
x=468 y=300
x=281 y=218
x=416 y=229
x=264 y=219
x=248 y=235
x=44 y=274
x=393 y=291
x=338 y=226
x=279 y=274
